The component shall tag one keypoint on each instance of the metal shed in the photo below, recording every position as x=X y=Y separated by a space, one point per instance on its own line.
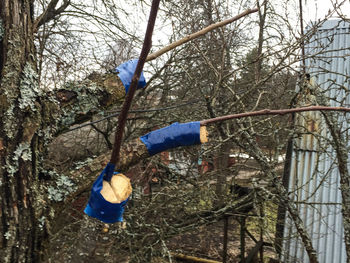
x=314 y=178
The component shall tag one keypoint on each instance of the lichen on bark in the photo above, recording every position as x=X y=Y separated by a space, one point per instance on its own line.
x=29 y=88
x=85 y=101
x=62 y=188
x=9 y=120
x=80 y=101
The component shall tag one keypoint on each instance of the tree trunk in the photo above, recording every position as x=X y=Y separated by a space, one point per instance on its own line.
x=21 y=234
x=30 y=118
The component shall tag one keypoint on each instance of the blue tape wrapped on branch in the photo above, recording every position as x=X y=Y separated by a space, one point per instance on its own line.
x=104 y=202
x=98 y=207
x=126 y=71
x=110 y=192
x=175 y=135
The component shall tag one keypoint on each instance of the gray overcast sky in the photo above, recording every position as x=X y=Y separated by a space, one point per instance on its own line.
x=318 y=9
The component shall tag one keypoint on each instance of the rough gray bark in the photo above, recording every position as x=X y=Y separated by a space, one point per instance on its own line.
x=29 y=119
x=78 y=102
x=21 y=117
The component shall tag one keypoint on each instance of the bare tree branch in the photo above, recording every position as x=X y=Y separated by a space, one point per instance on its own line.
x=273 y=112
x=50 y=13
x=198 y=34
x=127 y=103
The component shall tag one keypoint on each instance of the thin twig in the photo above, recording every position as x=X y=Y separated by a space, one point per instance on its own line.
x=198 y=34
x=147 y=43
x=272 y=112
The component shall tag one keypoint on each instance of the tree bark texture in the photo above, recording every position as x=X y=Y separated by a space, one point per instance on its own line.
x=19 y=190
x=30 y=117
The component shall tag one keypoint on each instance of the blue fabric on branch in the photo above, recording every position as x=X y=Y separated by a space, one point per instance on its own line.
x=98 y=207
x=126 y=72
x=175 y=135
x=108 y=172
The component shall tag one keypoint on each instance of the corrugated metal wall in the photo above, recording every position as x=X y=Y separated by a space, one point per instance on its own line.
x=314 y=179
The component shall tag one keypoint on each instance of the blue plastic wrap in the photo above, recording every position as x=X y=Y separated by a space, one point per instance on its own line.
x=126 y=72
x=175 y=135
x=98 y=207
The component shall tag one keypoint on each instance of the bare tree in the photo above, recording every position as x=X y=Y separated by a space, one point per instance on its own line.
x=49 y=51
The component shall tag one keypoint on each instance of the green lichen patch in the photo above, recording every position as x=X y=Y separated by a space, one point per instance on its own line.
x=29 y=88
x=11 y=74
x=12 y=67
x=80 y=164
x=79 y=101
x=86 y=102
x=23 y=152
x=42 y=221
x=62 y=188
x=10 y=167
x=7 y=235
x=9 y=120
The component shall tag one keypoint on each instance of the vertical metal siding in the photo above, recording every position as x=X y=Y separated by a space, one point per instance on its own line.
x=314 y=177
